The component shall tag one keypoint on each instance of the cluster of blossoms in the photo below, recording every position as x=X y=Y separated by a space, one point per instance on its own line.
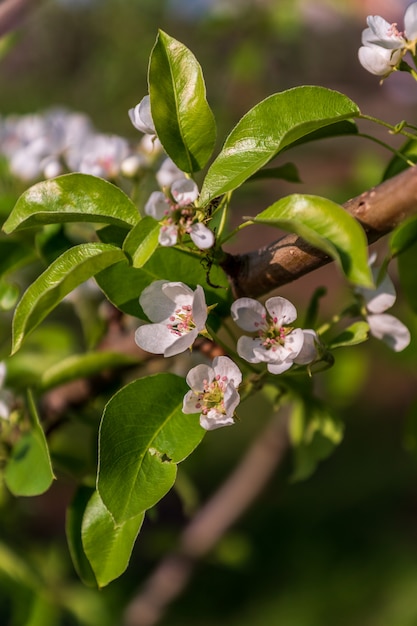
x=179 y=314
x=384 y=46
x=174 y=206
x=38 y=146
x=382 y=325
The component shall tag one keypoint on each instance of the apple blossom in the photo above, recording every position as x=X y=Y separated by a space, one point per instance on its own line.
x=179 y=315
x=213 y=392
x=383 y=45
x=382 y=325
x=277 y=343
x=141 y=117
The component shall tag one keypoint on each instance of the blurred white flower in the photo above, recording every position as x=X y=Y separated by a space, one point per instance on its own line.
x=141 y=117
x=213 y=392
x=179 y=315
x=5 y=395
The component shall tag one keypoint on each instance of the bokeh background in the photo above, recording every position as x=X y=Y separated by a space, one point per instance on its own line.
x=341 y=547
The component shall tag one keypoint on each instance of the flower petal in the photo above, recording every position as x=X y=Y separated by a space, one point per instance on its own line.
x=199 y=308
x=189 y=403
x=184 y=191
x=197 y=375
x=308 y=352
x=154 y=338
x=377 y=60
x=157 y=205
x=381 y=33
x=168 y=235
x=179 y=293
x=279 y=368
x=390 y=330
x=231 y=399
x=215 y=419
x=157 y=305
x=181 y=344
x=248 y=314
x=168 y=173
x=202 y=236
x=141 y=117
x=282 y=310
x=224 y=366
x=410 y=22
x=246 y=347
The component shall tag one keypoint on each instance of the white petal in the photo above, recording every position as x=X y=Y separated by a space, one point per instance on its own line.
x=378 y=61
x=380 y=299
x=198 y=374
x=199 y=308
x=246 y=349
x=168 y=235
x=189 y=403
x=214 y=419
x=248 y=313
x=282 y=310
x=381 y=33
x=184 y=191
x=155 y=303
x=168 y=173
x=141 y=117
x=154 y=338
x=181 y=344
x=410 y=22
x=308 y=352
x=157 y=205
x=279 y=368
x=231 y=400
x=224 y=366
x=390 y=330
x=202 y=236
x=180 y=293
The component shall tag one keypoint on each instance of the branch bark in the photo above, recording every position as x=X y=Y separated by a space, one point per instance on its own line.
x=379 y=210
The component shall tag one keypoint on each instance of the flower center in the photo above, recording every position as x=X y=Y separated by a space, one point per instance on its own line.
x=212 y=396
x=393 y=31
x=271 y=333
x=182 y=320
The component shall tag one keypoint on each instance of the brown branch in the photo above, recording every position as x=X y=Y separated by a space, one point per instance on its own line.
x=379 y=210
x=13 y=12
x=203 y=532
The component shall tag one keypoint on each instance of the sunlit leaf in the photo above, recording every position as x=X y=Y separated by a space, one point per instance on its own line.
x=72 y=198
x=143 y=435
x=183 y=119
x=268 y=128
x=68 y=271
x=327 y=226
x=142 y=241
x=353 y=335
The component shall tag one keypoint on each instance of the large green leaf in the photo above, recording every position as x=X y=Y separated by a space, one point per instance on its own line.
x=29 y=470
x=107 y=546
x=142 y=241
x=68 y=271
x=72 y=198
x=123 y=284
x=143 y=435
x=327 y=226
x=73 y=523
x=268 y=128
x=183 y=119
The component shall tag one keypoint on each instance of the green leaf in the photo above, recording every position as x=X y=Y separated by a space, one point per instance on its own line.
x=72 y=198
x=83 y=366
x=398 y=164
x=29 y=470
x=68 y=271
x=406 y=262
x=183 y=119
x=268 y=128
x=142 y=241
x=108 y=547
x=73 y=522
x=314 y=433
x=404 y=236
x=143 y=435
x=286 y=172
x=328 y=227
x=122 y=284
x=351 y=336
x=9 y=295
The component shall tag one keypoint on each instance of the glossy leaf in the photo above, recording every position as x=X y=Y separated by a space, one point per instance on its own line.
x=29 y=470
x=408 y=275
x=314 y=433
x=268 y=128
x=183 y=119
x=143 y=435
x=107 y=546
x=72 y=198
x=328 y=227
x=68 y=271
x=286 y=172
x=353 y=335
x=404 y=236
x=142 y=241
x=399 y=164
x=122 y=284
x=82 y=366
x=73 y=522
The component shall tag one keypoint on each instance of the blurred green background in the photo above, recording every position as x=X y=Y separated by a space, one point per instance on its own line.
x=340 y=548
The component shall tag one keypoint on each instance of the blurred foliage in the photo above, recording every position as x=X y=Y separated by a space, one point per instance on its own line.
x=338 y=549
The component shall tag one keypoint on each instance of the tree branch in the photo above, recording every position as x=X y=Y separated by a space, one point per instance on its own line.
x=203 y=532
x=379 y=210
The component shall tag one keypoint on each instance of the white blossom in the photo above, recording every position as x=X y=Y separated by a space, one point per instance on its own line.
x=179 y=315
x=5 y=395
x=141 y=117
x=213 y=392
x=308 y=352
x=168 y=173
x=276 y=342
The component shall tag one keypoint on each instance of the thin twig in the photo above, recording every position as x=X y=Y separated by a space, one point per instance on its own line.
x=238 y=492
